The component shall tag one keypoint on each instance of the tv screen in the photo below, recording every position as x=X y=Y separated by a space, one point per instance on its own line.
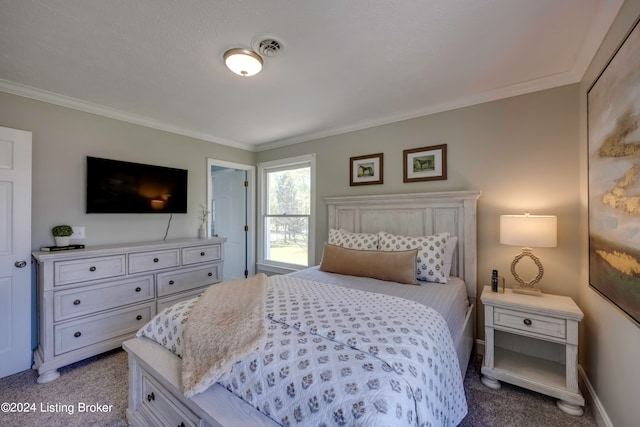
x=115 y=186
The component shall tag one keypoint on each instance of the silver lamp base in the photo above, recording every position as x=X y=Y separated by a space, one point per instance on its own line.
x=527 y=288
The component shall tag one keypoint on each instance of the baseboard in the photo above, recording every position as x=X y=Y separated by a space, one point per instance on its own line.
x=588 y=392
x=591 y=398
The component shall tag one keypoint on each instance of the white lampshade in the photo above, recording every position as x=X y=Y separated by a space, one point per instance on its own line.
x=537 y=231
x=243 y=62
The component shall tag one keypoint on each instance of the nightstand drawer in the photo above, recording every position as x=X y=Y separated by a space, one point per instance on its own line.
x=529 y=322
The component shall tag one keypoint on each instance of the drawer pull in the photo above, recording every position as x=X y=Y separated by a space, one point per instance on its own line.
x=181 y=424
x=209 y=274
x=138 y=289
x=202 y=254
x=92 y=268
x=151 y=397
x=76 y=302
x=77 y=334
x=171 y=282
x=139 y=317
x=527 y=322
x=156 y=260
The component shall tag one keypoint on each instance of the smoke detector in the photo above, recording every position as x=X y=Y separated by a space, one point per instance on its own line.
x=266 y=45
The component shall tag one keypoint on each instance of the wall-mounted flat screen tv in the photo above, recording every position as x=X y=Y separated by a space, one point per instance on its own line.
x=114 y=186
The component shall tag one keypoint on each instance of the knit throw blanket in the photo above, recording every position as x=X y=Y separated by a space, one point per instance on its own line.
x=225 y=325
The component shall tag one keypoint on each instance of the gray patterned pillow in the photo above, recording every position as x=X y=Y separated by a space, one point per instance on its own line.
x=347 y=239
x=431 y=253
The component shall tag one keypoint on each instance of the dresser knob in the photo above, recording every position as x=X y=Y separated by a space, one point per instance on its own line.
x=92 y=268
x=138 y=289
x=209 y=274
x=181 y=424
x=139 y=317
x=76 y=302
x=156 y=260
x=527 y=322
x=202 y=254
x=151 y=397
x=77 y=334
x=171 y=282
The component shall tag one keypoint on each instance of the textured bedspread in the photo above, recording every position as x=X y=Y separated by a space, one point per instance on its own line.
x=338 y=356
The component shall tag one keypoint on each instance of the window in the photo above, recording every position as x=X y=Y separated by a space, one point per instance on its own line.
x=286 y=225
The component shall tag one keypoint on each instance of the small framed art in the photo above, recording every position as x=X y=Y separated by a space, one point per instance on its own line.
x=366 y=170
x=425 y=163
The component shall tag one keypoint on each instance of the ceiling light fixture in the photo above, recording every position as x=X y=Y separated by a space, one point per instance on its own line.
x=243 y=62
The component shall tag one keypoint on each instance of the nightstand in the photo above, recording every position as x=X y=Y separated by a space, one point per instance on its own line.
x=532 y=342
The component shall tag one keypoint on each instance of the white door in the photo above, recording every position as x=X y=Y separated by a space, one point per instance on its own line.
x=230 y=217
x=15 y=251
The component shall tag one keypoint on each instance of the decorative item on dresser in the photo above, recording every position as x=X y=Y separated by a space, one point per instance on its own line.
x=62 y=234
x=91 y=300
x=533 y=343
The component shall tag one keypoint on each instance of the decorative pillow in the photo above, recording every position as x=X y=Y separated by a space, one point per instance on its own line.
x=347 y=239
x=397 y=266
x=431 y=253
x=448 y=255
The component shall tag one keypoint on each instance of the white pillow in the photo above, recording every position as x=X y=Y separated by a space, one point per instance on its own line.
x=431 y=253
x=347 y=239
x=448 y=255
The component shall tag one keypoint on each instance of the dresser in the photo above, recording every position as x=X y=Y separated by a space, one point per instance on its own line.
x=91 y=300
x=532 y=342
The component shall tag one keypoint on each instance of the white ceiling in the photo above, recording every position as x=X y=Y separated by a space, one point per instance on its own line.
x=345 y=65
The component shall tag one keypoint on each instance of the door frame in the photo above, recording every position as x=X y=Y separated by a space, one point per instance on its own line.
x=251 y=209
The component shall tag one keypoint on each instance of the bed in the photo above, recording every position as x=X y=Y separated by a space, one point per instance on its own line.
x=155 y=393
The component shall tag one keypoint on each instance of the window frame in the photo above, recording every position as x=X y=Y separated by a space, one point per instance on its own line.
x=264 y=168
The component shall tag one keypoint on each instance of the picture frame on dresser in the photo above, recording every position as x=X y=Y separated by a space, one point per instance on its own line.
x=613 y=103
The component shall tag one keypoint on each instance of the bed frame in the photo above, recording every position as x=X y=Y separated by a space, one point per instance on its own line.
x=154 y=372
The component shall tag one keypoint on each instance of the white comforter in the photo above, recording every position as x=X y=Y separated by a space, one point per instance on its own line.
x=338 y=356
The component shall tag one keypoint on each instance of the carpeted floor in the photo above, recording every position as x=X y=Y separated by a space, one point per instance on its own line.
x=102 y=380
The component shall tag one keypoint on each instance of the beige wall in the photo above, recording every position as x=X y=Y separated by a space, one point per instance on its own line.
x=611 y=340
x=63 y=137
x=521 y=152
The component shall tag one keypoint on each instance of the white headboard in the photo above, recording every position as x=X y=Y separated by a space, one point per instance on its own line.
x=416 y=214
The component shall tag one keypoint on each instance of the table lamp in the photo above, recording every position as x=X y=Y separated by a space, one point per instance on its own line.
x=527 y=231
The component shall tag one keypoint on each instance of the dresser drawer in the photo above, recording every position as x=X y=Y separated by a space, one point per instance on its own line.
x=82 y=270
x=156 y=260
x=176 y=298
x=201 y=254
x=183 y=280
x=533 y=323
x=169 y=411
x=84 y=332
x=77 y=302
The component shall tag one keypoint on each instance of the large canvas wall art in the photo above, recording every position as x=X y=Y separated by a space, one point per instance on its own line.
x=613 y=104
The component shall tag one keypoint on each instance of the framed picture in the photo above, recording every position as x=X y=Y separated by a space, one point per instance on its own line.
x=366 y=170
x=425 y=164
x=613 y=114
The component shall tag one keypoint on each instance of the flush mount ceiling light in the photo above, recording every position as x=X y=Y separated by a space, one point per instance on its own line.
x=243 y=62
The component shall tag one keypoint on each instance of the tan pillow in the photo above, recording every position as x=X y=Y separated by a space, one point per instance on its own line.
x=396 y=266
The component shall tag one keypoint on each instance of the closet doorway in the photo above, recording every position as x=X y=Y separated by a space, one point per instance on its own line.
x=230 y=198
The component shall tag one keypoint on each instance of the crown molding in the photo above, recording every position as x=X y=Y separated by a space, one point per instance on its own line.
x=100 y=110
